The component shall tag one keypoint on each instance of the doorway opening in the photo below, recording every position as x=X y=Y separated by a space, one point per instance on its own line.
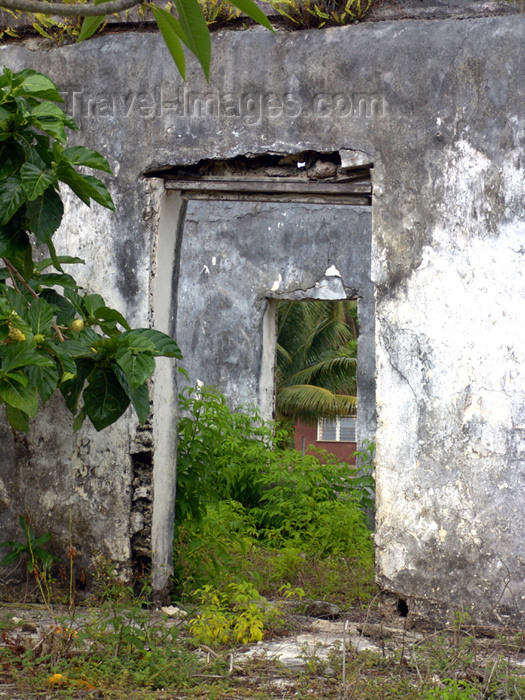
x=240 y=236
x=316 y=375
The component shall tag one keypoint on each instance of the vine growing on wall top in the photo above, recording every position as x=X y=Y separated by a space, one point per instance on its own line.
x=53 y=335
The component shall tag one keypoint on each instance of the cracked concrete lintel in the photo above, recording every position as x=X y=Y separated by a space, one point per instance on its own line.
x=329 y=287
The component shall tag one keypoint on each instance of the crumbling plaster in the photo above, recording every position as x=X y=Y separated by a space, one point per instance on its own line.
x=437 y=107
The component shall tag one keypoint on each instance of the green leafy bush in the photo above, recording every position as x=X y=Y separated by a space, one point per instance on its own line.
x=54 y=336
x=247 y=510
x=238 y=614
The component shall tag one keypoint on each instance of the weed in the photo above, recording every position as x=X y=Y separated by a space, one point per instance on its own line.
x=219 y=11
x=321 y=13
x=39 y=560
x=238 y=615
x=453 y=690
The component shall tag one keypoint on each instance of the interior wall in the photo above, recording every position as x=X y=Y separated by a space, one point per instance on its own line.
x=236 y=258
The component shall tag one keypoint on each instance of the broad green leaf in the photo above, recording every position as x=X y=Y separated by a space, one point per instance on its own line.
x=38 y=85
x=140 y=400
x=97 y=190
x=137 y=367
x=12 y=241
x=22 y=257
x=79 y=419
x=64 y=259
x=35 y=181
x=76 y=300
x=88 y=336
x=51 y=279
x=12 y=196
x=64 y=357
x=45 y=214
x=91 y=24
x=40 y=316
x=92 y=302
x=85 y=187
x=48 y=111
x=79 y=155
x=26 y=141
x=75 y=348
x=139 y=396
x=24 y=524
x=165 y=346
x=103 y=313
x=11 y=159
x=53 y=254
x=17 y=377
x=72 y=388
x=67 y=174
x=23 y=398
x=196 y=32
x=53 y=127
x=104 y=398
x=22 y=354
x=139 y=343
x=252 y=10
x=106 y=347
x=65 y=312
x=16 y=301
x=172 y=33
x=44 y=378
x=19 y=420
x=43 y=539
x=12 y=557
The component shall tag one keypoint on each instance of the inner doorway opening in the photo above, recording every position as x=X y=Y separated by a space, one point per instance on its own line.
x=316 y=375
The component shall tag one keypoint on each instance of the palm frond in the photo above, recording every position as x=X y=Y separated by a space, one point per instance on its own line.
x=342 y=366
x=316 y=359
x=309 y=402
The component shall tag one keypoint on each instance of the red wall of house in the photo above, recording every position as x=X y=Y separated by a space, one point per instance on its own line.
x=344 y=451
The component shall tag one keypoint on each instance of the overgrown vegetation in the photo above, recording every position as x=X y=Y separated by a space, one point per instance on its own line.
x=307 y=14
x=247 y=510
x=259 y=529
x=53 y=335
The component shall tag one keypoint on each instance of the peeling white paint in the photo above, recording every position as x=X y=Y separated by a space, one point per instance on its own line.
x=332 y=271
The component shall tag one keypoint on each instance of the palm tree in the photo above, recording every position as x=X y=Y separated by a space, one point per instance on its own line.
x=316 y=359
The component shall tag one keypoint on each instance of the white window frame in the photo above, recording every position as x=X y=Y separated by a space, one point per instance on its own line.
x=338 y=420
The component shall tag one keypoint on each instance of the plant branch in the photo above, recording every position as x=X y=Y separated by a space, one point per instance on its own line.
x=13 y=271
x=64 y=10
x=15 y=287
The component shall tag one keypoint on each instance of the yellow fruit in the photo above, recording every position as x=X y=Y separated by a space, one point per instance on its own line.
x=77 y=325
x=15 y=334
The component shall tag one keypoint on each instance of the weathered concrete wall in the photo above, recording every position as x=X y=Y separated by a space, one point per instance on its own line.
x=235 y=257
x=437 y=106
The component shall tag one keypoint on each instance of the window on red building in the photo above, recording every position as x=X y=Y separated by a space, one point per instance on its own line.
x=339 y=429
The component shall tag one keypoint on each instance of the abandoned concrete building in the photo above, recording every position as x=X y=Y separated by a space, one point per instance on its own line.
x=381 y=161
